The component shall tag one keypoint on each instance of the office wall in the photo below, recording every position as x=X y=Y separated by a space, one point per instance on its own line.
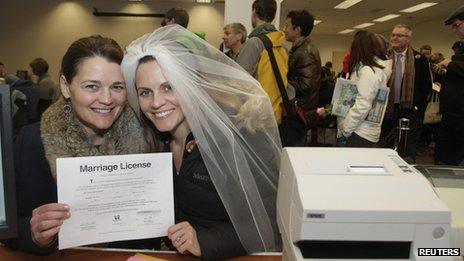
x=436 y=34
x=328 y=44
x=45 y=28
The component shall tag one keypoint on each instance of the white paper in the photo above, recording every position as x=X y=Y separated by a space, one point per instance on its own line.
x=115 y=198
x=344 y=97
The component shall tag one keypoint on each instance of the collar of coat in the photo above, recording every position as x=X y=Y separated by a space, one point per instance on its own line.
x=299 y=42
x=262 y=29
x=457 y=57
x=44 y=76
x=64 y=136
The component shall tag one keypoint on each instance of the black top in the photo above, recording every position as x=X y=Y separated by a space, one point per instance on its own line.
x=197 y=201
x=452 y=88
x=229 y=54
x=422 y=82
x=35 y=187
x=31 y=91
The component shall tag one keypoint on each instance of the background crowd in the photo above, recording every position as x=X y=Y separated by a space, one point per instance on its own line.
x=416 y=84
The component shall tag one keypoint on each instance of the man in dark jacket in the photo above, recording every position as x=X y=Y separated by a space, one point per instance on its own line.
x=32 y=92
x=450 y=146
x=304 y=63
x=48 y=88
x=327 y=84
x=410 y=85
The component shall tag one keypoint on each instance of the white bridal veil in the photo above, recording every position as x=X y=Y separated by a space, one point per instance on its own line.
x=232 y=121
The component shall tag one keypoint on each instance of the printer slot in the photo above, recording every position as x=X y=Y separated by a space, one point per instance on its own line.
x=354 y=249
x=367 y=170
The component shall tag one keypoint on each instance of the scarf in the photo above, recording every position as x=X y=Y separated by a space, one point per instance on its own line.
x=64 y=136
x=262 y=29
x=407 y=88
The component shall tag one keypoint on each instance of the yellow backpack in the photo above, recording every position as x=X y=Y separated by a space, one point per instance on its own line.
x=265 y=73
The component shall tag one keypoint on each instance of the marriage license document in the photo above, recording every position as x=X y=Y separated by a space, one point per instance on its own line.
x=114 y=198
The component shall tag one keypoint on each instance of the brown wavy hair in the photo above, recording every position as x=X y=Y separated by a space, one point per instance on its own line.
x=364 y=49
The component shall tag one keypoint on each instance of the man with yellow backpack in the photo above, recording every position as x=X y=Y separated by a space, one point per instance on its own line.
x=254 y=57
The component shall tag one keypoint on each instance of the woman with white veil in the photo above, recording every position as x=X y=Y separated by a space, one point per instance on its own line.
x=219 y=124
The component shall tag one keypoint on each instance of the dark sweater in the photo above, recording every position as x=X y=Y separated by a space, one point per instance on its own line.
x=452 y=88
x=35 y=187
x=197 y=201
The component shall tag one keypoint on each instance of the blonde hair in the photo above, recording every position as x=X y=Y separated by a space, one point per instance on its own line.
x=249 y=110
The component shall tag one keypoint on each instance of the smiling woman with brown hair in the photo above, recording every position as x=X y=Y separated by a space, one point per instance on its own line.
x=91 y=118
x=219 y=125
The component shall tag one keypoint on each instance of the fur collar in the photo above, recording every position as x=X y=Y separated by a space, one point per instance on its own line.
x=64 y=136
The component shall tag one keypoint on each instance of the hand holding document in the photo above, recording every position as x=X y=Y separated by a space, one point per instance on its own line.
x=115 y=198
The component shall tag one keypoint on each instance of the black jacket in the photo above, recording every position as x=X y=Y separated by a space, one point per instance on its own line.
x=35 y=186
x=197 y=201
x=452 y=89
x=31 y=91
x=304 y=74
x=422 y=82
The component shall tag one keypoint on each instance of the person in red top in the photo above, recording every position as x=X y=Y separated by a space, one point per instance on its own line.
x=347 y=57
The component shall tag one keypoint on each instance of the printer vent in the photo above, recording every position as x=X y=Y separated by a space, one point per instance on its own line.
x=354 y=249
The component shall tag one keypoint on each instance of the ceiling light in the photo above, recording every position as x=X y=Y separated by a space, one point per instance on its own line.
x=418 y=7
x=347 y=4
x=203 y=1
x=346 y=31
x=364 y=25
x=317 y=22
x=386 y=18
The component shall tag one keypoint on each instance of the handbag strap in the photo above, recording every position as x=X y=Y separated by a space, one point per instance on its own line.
x=433 y=96
x=275 y=68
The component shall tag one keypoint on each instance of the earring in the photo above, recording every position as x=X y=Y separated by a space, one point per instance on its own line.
x=67 y=107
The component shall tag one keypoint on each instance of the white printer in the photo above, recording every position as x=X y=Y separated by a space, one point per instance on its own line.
x=357 y=203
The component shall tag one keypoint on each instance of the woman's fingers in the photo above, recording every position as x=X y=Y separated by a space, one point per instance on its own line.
x=185 y=240
x=185 y=243
x=48 y=224
x=52 y=215
x=50 y=207
x=175 y=231
x=184 y=248
x=45 y=238
x=46 y=221
x=174 y=228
